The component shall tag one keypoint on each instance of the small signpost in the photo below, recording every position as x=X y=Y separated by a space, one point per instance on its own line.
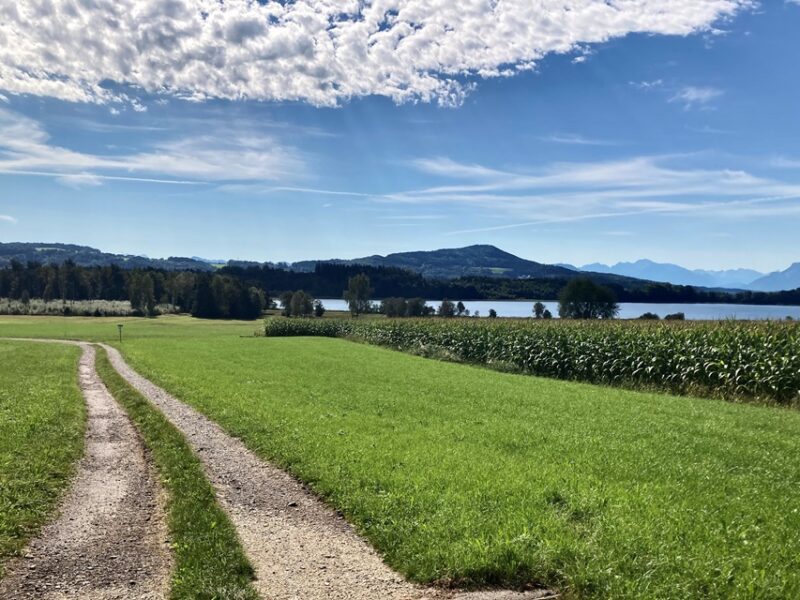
x=119 y=326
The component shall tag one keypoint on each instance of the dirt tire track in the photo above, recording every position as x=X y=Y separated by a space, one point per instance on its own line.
x=299 y=547
x=109 y=540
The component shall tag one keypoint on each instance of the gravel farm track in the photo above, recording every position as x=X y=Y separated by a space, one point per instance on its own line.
x=110 y=539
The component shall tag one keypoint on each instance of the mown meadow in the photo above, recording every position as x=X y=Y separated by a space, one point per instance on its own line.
x=467 y=476
x=471 y=477
x=104 y=329
x=730 y=359
x=42 y=419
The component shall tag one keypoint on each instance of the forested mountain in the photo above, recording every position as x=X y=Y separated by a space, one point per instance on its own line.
x=452 y=263
x=471 y=261
x=85 y=256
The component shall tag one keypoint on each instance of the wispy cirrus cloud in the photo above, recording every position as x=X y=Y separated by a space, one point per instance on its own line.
x=7 y=219
x=318 y=51
x=578 y=191
x=443 y=166
x=249 y=188
x=647 y=85
x=696 y=96
x=412 y=218
x=782 y=162
x=576 y=140
x=25 y=148
x=640 y=185
x=690 y=96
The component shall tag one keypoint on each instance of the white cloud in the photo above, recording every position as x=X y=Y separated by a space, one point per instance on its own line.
x=318 y=51
x=691 y=96
x=262 y=189
x=564 y=192
x=619 y=233
x=7 y=219
x=80 y=180
x=648 y=85
x=446 y=167
x=575 y=139
x=782 y=162
x=578 y=191
x=234 y=155
x=710 y=130
x=411 y=218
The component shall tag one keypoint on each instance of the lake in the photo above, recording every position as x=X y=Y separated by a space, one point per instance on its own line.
x=628 y=310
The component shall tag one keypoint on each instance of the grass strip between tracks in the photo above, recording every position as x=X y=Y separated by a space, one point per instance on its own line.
x=209 y=559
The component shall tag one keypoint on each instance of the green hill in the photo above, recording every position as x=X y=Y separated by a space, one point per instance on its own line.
x=85 y=256
x=480 y=260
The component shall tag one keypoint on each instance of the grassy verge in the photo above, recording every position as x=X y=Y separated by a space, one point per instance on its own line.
x=42 y=421
x=209 y=561
x=475 y=477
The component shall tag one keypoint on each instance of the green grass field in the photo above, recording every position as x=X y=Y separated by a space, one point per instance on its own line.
x=42 y=421
x=462 y=475
x=209 y=560
x=104 y=329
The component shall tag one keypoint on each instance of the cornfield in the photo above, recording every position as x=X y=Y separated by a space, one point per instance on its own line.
x=731 y=360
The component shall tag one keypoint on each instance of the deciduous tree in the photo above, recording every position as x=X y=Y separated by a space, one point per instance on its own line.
x=358 y=294
x=584 y=299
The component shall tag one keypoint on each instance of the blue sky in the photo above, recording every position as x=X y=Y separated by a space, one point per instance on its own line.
x=670 y=138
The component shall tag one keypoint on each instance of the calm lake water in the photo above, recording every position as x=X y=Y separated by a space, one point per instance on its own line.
x=628 y=310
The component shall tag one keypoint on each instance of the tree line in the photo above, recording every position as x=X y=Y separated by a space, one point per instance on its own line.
x=202 y=294
x=243 y=291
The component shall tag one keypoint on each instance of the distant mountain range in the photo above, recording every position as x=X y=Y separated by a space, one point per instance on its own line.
x=47 y=253
x=647 y=269
x=480 y=260
x=489 y=261
x=779 y=280
x=449 y=263
x=742 y=279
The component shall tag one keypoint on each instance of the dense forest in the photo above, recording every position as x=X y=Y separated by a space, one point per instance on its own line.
x=242 y=291
x=202 y=294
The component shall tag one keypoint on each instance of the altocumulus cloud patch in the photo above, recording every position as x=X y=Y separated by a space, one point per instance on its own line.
x=317 y=51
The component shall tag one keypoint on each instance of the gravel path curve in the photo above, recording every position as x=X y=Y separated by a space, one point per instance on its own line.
x=109 y=540
x=299 y=547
